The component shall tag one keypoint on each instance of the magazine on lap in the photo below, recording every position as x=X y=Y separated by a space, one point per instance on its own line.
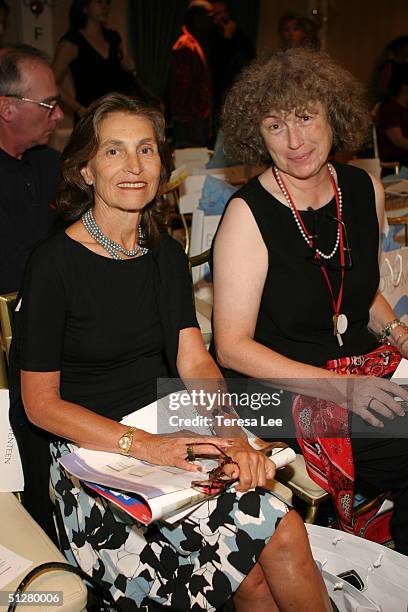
x=145 y=491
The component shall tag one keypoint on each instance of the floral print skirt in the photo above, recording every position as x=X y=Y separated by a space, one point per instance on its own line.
x=196 y=564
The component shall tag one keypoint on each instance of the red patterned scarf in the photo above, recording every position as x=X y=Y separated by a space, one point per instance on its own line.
x=329 y=461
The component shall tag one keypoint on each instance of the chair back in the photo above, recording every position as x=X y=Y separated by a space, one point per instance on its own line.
x=20 y=534
x=201 y=258
x=202 y=300
x=7 y=304
x=171 y=192
x=370 y=164
x=3 y=370
x=195 y=159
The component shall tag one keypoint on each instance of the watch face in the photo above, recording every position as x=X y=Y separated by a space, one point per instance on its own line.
x=125 y=442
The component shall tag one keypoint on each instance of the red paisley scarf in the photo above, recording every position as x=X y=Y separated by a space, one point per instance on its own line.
x=329 y=460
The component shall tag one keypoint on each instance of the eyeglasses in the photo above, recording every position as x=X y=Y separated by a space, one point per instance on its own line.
x=51 y=106
x=218 y=480
x=324 y=263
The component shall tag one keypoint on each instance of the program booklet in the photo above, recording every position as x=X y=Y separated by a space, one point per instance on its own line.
x=145 y=491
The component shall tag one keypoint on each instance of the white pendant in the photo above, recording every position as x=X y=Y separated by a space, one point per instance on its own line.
x=341 y=324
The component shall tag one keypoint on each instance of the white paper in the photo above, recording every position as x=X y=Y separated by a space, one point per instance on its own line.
x=399 y=188
x=11 y=566
x=11 y=472
x=401 y=371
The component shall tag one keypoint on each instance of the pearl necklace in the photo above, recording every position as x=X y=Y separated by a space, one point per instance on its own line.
x=296 y=215
x=112 y=247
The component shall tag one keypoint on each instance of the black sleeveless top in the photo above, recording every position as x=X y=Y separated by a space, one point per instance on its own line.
x=296 y=309
x=93 y=75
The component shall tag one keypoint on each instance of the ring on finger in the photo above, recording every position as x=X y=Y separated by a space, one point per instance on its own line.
x=190 y=453
x=369 y=403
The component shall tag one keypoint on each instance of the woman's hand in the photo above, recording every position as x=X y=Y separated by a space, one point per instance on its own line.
x=372 y=397
x=402 y=346
x=172 y=449
x=267 y=447
x=401 y=341
x=254 y=467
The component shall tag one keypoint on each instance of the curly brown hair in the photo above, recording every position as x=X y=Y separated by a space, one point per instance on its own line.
x=289 y=80
x=75 y=197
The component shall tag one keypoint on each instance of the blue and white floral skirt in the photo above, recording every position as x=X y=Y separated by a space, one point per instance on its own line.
x=196 y=564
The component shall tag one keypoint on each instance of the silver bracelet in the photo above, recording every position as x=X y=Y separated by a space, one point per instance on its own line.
x=388 y=327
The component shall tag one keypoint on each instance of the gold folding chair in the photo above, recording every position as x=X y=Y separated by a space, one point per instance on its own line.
x=296 y=478
x=201 y=258
x=400 y=221
x=202 y=308
x=171 y=192
x=3 y=370
x=7 y=304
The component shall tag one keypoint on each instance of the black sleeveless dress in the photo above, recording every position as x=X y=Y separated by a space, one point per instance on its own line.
x=296 y=309
x=94 y=75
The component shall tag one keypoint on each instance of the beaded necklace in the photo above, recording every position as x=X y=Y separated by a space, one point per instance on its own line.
x=298 y=219
x=112 y=247
x=340 y=322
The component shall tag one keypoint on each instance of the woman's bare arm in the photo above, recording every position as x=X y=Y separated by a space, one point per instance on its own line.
x=65 y=53
x=45 y=409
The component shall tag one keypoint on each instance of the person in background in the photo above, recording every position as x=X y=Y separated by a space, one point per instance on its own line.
x=4 y=13
x=86 y=361
x=298 y=31
x=231 y=51
x=29 y=170
x=191 y=89
x=95 y=57
x=296 y=278
x=394 y=54
x=392 y=120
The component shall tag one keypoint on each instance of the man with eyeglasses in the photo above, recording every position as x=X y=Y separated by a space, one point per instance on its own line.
x=29 y=170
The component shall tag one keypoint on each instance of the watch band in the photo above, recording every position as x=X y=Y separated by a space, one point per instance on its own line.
x=125 y=441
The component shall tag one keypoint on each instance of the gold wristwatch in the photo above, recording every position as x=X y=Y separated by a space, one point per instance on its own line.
x=125 y=441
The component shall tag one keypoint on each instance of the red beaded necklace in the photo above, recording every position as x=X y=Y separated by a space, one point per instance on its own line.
x=340 y=322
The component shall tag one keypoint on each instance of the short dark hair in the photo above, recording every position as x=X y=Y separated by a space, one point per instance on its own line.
x=293 y=80
x=10 y=60
x=75 y=197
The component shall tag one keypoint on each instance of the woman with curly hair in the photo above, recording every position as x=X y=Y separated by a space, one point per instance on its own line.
x=105 y=310
x=296 y=274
